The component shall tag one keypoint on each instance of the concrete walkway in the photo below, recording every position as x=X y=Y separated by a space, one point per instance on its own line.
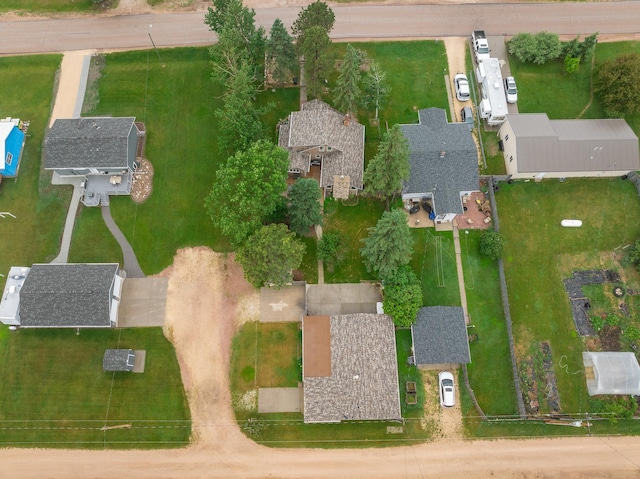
x=458 y=251
x=72 y=85
x=131 y=265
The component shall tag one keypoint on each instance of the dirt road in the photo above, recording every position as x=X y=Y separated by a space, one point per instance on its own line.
x=208 y=299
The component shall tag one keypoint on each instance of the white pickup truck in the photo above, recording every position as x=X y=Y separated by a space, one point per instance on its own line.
x=480 y=45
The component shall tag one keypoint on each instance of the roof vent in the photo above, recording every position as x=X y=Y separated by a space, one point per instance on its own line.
x=442 y=154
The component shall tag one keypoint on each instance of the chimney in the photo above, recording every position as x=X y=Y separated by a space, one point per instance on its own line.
x=347 y=119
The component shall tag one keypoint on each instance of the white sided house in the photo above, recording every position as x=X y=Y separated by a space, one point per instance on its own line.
x=62 y=295
x=535 y=147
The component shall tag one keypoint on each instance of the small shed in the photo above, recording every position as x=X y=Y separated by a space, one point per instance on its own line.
x=440 y=338
x=118 y=360
x=12 y=139
x=611 y=373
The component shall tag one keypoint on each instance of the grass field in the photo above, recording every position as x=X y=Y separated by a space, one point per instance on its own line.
x=530 y=215
x=58 y=6
x=55 y=393
x=39 y=208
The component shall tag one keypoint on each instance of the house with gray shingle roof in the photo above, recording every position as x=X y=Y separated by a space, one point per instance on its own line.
x=350 y=369
x=118 y=360
x=440 y=338
x=535 y=147
x=443 y=162
x=102 y=150
x=321 y=138
x=58 y=295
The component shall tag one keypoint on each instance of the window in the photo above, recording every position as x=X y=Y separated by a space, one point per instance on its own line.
x=9 y=158
x=329 y=148
x=321 y=148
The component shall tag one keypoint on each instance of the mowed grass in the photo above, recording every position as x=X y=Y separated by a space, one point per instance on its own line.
x=352 y=220
x=279 y=353
x=490 y=371
x=434 y=262
x=60 y=6
x=177 y=105
x=530 y=215
x=55 y=393
x=40 y=208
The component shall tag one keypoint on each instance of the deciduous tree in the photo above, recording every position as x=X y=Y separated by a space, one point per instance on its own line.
x=616 y=84
x=270 y=255
x=389 y=244
x=281 y=53
x=387 y=170
x=376 y=89
x=538 y=48
x=402 y=296
x=332 y=249
x=247 y=190
x=304 y=205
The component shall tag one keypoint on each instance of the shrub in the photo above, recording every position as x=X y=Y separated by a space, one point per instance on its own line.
x=492 y=244
x=538 y=48
x=332 y=249
x=597 y=323
x=631 y=334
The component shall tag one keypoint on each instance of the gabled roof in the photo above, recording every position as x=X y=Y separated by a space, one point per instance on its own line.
x=443 y=160
x=97 y=142
x=67 y=295
x=317 y=124
x=118 y=360
x=544 y=145
x=440 y=336
x=355 y=371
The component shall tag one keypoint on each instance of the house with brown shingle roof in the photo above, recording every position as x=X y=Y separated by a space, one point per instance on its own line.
x=322 y=140
x=350 y=368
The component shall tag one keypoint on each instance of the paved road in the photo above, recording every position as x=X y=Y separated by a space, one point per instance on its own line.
x=352 y=22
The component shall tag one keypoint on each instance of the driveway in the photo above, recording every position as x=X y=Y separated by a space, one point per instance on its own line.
x=327 y=299
x=143 y=302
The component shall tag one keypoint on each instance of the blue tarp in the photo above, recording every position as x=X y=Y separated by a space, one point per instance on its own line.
x=13 y=152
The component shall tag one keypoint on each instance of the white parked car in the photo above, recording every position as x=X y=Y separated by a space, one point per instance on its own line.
x=447 y=389
x=511 y=90
x=462 y=87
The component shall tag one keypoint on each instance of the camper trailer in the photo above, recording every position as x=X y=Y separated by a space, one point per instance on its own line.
x=493 y=106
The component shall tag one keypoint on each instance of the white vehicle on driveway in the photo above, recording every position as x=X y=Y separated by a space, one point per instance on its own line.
x=447 y=389
x=462 y=87
x=511 y=90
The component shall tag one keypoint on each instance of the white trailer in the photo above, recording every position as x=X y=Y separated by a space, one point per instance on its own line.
x=493 y=106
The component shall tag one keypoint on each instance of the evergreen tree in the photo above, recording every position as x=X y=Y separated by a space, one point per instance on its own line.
x=387 y=170
x=304 y=205
x=316 y=14
x=281 y=53
x=347 y=92
x=389 y=244
x=316 y=49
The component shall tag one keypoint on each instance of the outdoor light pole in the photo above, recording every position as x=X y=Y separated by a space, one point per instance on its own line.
x=154 y=47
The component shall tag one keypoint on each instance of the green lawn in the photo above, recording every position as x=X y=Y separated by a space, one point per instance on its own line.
x=530 y=215
x=55 y=393
x=59 y=6
x=40 y=209
x=352 y=220
x=490 y=372
x=434 y=262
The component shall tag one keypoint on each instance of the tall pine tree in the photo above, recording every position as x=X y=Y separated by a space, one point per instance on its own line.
x=281 y=53
x=387 y=170
x=347 y=92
